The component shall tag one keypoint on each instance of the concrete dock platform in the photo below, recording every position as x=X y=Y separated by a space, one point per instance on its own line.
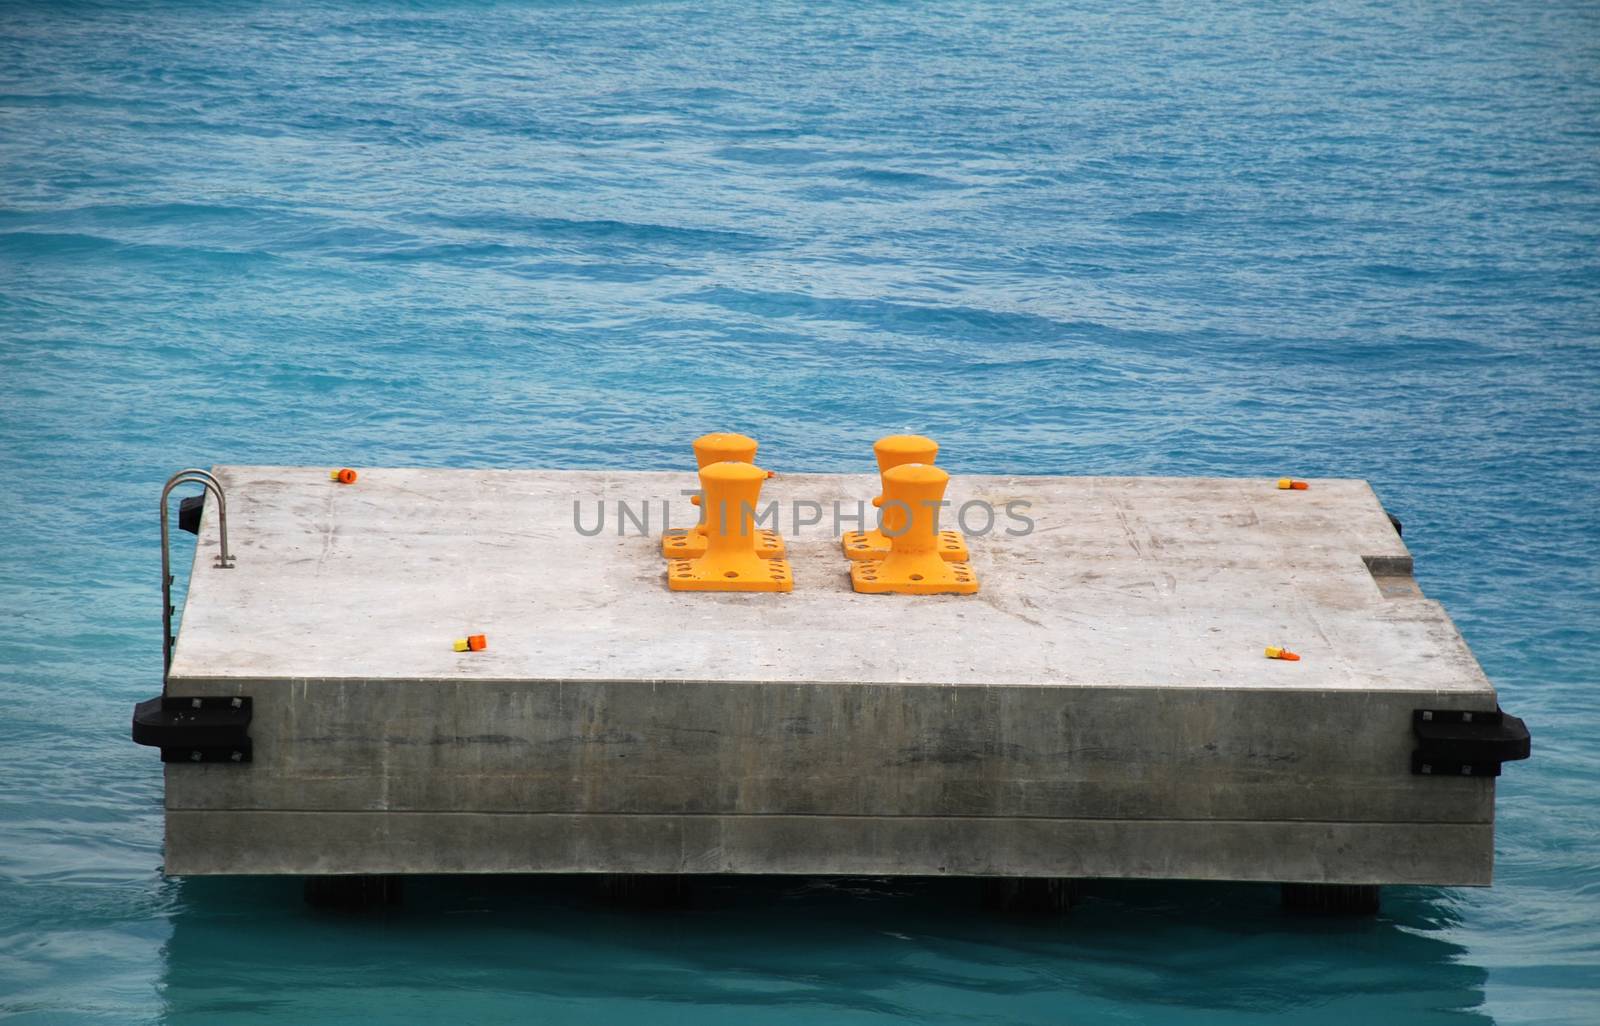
x=1101 y=708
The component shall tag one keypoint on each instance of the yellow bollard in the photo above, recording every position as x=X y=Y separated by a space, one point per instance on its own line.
x=914 y=565
x=731 y=562
x=723 y=447
x=897 y=451
x=718 y=447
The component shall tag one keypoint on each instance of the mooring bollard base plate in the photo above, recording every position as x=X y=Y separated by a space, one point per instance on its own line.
x=691 y=544
x=875 y=545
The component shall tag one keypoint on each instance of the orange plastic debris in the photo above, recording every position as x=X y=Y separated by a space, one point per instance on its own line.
x=897 y=451
x=1278 y=652
x=344 y=475
x=718 y=447
x=1286 y=483
x=732 y=491
x=471 y=643
x=913 y=566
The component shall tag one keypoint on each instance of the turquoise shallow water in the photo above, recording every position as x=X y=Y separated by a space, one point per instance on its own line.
x=1349 y=239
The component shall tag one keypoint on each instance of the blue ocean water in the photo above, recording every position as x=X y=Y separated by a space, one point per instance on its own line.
x=1348 y=238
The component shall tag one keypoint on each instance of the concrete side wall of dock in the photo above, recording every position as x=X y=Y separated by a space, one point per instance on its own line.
x=317 y=843
x=774 y=778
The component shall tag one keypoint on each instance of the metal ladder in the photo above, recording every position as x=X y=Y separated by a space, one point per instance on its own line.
x=196 y=728
x=224 y=561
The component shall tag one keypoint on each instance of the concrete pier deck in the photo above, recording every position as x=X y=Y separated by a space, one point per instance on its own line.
x=1102 y=708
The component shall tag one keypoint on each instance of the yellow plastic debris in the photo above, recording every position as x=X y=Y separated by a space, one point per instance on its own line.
x=718 y=447
x=913 y=565
x=897 y=451
x=1277 y=652
x=731 y=491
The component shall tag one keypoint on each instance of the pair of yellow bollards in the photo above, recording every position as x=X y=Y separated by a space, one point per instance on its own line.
x=906 y=555
x=726 y=551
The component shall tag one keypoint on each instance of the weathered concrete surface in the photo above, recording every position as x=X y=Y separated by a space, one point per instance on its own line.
x=1101 y=708
x=859 y=750
x=475 y=842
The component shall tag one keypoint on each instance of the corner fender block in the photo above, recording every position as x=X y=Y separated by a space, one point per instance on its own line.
x=1465 y=743
x=195 y=729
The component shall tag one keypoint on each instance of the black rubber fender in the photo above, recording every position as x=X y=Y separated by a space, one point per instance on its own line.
x=189 y=510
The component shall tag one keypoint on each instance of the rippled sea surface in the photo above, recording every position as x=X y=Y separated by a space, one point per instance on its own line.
x=1246 y=239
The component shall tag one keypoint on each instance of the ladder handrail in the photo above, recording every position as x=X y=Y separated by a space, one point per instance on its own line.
x=209 y=482
x=197 y=472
